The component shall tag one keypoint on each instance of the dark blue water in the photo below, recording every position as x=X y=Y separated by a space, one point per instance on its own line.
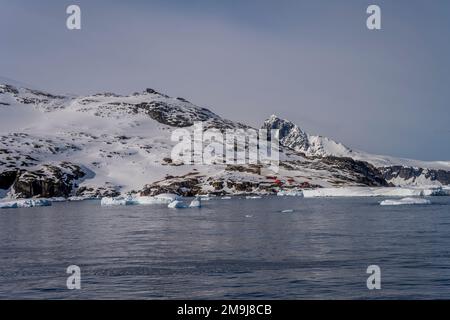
x=236 y=249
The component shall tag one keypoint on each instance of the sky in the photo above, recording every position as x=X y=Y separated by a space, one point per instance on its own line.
x=313 y=62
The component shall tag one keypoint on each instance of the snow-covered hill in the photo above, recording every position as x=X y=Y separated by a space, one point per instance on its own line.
x=107 y=144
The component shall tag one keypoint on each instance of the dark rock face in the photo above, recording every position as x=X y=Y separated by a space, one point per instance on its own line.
x=47 y=182
x=7 y=179
x=98 y=192
x=251 y=168
x=6 y=88
x=409 y=173
x=358 y=171
x=183 y=186
x=184 y=115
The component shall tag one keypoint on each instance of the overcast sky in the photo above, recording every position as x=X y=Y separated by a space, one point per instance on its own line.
x=313 y=62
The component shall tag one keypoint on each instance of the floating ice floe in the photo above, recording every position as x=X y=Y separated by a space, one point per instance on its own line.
x=290 y=193
x=375 y=192
x=27 y=203
x=226 y=198
x=177 y=204
x=253 y=197
x=164 y=198
x=405 y=201
x=287 y=211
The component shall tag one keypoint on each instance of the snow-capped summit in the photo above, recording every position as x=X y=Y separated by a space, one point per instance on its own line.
x=290 y=135
x=293 y=137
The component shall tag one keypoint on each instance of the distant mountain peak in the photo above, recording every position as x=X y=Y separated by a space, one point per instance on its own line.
x=290 y=134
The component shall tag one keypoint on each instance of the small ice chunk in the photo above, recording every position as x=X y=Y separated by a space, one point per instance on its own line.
x=253 y=197
x=27 y=203
x=404 y=201
x=226 y=198
x=287 y=211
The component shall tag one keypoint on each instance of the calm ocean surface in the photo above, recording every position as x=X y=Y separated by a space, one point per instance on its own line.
x=229 y=249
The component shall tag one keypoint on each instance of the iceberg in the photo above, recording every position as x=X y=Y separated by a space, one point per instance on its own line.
x=119 y=201
x=164 y=198
x=27 y=203
x=405 y=201
x=177 y=204
x=196 y=203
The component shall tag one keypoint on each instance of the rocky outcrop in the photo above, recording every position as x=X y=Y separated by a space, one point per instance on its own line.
x=7 y=179
x=410 y=174
x=95 y=192
x=182 y=113
x=184 y=186
x=357 y=171
x=48 y=181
